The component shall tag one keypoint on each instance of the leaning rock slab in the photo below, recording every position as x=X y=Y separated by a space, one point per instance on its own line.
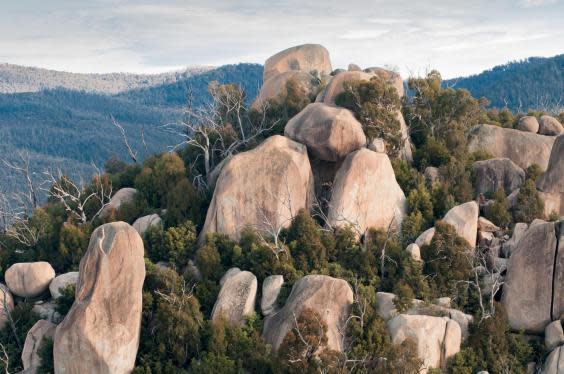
x=437 y=338
x=309 y=58
x=271 y=287
x=366 y=194
x=550 y=126
x=551 y=183
x=497 y=173
x=523 y=148
x=29 y=279
x=61 y=282
x=100 y=333
x=330 y=297
x=270 y=183
x=528 y=291
x=236 y=297
x=330 y=133
x=30 y=355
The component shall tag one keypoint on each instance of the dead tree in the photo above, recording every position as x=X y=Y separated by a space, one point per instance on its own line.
x=26 y=198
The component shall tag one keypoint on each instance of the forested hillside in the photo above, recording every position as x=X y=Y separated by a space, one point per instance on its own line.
x=520 y=85
x=71 y=129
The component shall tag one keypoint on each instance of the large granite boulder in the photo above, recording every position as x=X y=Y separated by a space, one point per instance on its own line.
x=237 y=296
x=535 y=267
x=30 y=355
x=6 y=304
x=330 y=133
x=263 y=188
x=437 y=338
x=275 y=88
x=366 y=194
x=551 y=183
x=142 y=224
x=271 y=287
x=529 y=124
x=100 y=333
x=523 y=148
x=331 y=298
x=554 y=363
x=29 y=279
x=497 y=173
x=62 y=281
x=550 y=126
x=123 y=196
x=310 y=58
x=464 y=218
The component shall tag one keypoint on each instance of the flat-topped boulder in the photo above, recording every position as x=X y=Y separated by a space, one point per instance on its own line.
x=528 y=124
x=31 y=358
x=61 y=281
x=236 y=298
x=309 y=58
x=330 y=297
x=100 y=333
x=497 y=173
x=366 y=194
x=550 y=126
x=262 y=188
x=551 y=183
x=523 y=148
x=330 y=133
x=29 y=279
x=534 y=267
x=437 y=338
x=275 y=88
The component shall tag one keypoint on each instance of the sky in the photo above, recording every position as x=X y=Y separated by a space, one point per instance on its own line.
x=456 y=37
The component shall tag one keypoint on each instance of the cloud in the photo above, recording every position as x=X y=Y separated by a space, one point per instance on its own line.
x=536 y=3
x=363 y=34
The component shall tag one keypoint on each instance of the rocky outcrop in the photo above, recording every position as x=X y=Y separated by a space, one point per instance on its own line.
x=6 y=304
x=393 y=77
x=330 y=133
x=310 y=58
x=551 y=183
x=523 y=148
x=275 y=88
x=330 y=297
x=236 y=298
x=437 y=338
x=30 y=355
x=142 y=224
x=123 y=196
x=366 y=193
x=553 y=335
x=532 y=293
x=497 y=173
x=529 y=124
x=269 y=183
x=550 y=126
x=464 y=218
x=100 y=333
x=29 y=279
x=554 y=363
x=62 y=281
x=271 y=287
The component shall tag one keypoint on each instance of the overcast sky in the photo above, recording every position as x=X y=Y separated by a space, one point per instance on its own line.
x=456 y=37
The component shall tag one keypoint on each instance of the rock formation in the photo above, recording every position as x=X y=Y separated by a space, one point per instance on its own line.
x=523 y=148
x=389 y=75
x=551 y=183
x=310 y=58
x=61 y=282
x=271 y=287
x=330 y=297
x=529 y=124
x=554 y=363
x=532 y=294
x=553 y=335
x=100 y=333
x=366 y=194
x=236 y=297
x=142 y=224
x=29 y=279
x=550 y=126
x=464 y=218
x=330 y=133
x=30 y=354
x=270 y=183
x=497 y=173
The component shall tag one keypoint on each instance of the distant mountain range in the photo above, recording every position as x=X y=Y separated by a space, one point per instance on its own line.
x=534 y=83
x=63 y=120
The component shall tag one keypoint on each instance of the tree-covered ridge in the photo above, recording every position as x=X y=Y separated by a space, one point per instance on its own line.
x=535 y=82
